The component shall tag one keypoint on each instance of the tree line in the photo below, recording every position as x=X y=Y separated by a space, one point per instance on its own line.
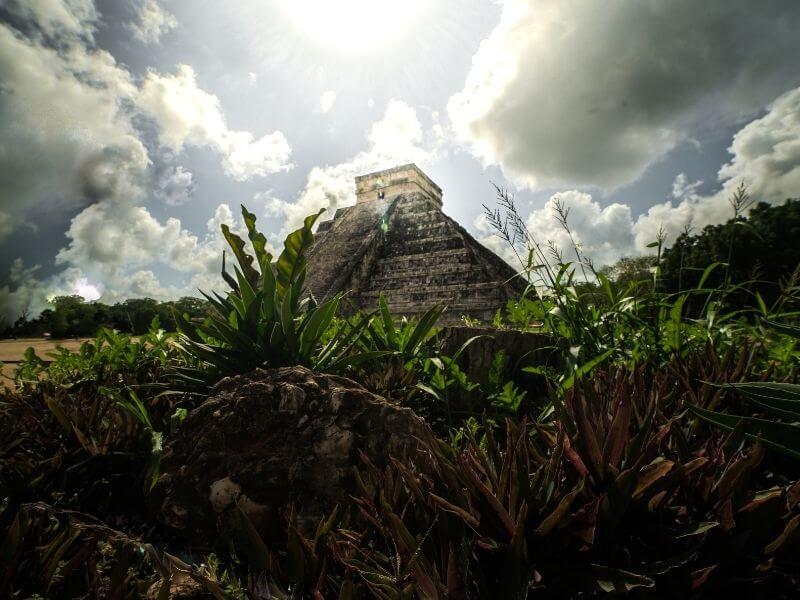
x=72 y=316
x=760 y=248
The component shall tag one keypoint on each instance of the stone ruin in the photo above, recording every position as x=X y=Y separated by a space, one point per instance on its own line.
x=397 y=241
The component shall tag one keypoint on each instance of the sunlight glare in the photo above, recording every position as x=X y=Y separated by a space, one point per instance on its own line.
x=86 y=290
x=354 y=24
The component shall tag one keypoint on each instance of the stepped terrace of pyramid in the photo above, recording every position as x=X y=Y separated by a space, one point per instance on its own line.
x=397 y=241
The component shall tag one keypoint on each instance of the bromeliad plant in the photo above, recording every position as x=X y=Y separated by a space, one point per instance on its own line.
x=406 y=339
x=83 y=429
x=267 y=319
x=620 y=496
x=415 y=371
x=775 y=399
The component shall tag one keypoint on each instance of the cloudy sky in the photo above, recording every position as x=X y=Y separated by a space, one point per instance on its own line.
x=131 y=129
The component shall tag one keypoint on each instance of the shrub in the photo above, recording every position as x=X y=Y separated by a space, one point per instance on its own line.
x=267 y=319
x=623 y=494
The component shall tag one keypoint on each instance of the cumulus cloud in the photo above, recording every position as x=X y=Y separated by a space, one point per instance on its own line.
x=682 y=188
x=6 y=224
x=765 y=155
x=188 y=115
x=397 y=138
x=115 y=237
x=766 y=152
x=603 y=234
x=327 y=100
x=120 y=247
x=66 y=109
x=580 y=92
x=152 y=21
x=175 y=186
x=57 y=17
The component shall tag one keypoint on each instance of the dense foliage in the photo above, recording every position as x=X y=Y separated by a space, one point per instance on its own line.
x=760 y=248
x=659 y=460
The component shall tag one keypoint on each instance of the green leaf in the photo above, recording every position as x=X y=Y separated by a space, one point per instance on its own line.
x=616 y=580
x=316 y=325
x=583 y=369
x=782 y=399
x=292 y=262
x=428 y=390
x=156 y=451
x=464 y=346
x=781 y=437
x=423 y=329
x=256 y=238
x=790 y=330
x=287 y=323
x=247 y=541
x=696 y=529
x=605 y=284
x=762 y=306
x=245 y=260
x=388 y=322
x=706 y=273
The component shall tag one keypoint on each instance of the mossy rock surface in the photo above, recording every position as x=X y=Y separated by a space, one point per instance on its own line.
x=272 y=439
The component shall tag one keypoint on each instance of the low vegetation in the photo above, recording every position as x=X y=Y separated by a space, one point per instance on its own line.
x=658 y=458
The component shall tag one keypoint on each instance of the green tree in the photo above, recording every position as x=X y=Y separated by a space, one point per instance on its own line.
x=762 y=247
x=57 y=324
x=139 y=312
x=631 y=274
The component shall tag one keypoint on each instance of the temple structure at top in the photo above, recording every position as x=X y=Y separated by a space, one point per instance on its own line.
x=397 y=241
x=408 y=179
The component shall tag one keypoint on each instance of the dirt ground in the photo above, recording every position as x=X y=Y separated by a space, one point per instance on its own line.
x=12 y=351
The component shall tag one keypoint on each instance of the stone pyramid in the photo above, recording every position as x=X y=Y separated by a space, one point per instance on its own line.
x=397 y=241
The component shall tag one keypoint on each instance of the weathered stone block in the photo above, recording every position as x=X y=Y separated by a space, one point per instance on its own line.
x=272 y=439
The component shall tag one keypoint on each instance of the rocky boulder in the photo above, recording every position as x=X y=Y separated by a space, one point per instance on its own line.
x=271 y=439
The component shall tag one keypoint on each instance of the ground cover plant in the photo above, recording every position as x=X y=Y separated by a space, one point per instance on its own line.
x=661 y=461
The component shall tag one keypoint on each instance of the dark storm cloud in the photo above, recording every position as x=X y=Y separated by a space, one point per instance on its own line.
x=584 y=92
x=64 y=128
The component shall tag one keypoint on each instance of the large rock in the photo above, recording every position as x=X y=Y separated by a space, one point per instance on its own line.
x=271 y=439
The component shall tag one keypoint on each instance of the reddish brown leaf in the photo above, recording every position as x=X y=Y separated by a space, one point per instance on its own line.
x=738 y=470
x=788 y=531
x=725 y=516
x=793 y=496
x=555 y=517
x=584 y=522
x=650 y=474
x=618 y=435
x=699 y=577
x=456 y=590
x=573 y=458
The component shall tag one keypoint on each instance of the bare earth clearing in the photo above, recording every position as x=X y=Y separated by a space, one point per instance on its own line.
x=13 y=351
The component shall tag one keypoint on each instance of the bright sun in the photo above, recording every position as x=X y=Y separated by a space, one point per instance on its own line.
x=85 y=289
x=353 y=24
